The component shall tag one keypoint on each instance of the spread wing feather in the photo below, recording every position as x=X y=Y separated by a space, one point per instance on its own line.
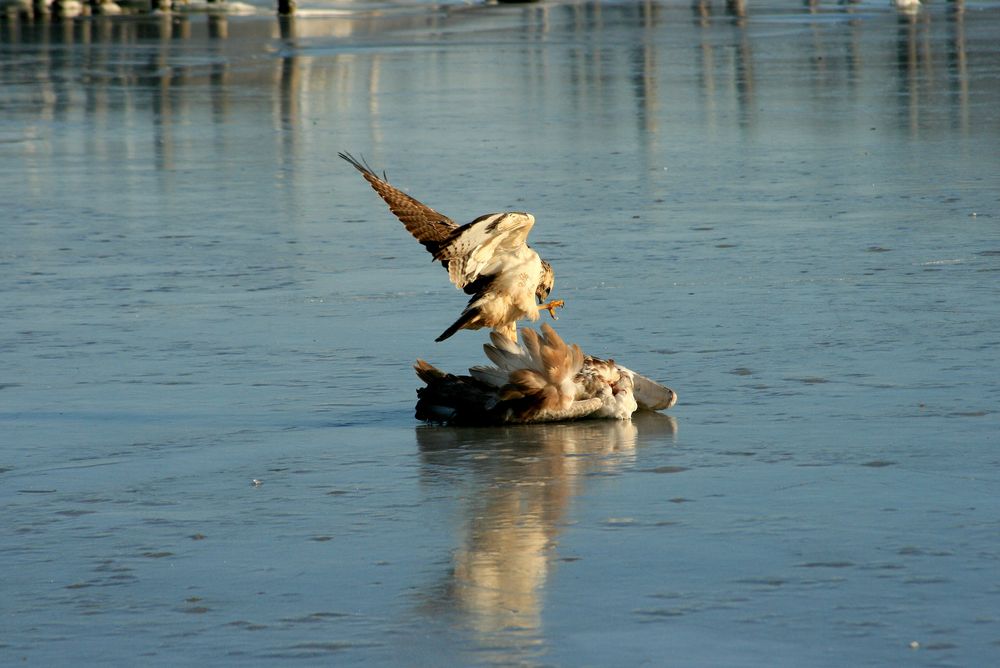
x=473 y=249
x=472 y=252
x=429 y=227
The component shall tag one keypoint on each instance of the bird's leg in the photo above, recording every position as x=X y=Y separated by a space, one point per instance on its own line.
x=551 y=307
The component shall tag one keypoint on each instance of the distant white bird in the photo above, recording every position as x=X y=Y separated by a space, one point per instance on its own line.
x=488 y=258
x=541 y=380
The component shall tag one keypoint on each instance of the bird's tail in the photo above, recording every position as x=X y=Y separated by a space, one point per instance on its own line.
x=468 y=315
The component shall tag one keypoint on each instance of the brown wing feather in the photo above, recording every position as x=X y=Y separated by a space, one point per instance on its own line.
x=427 y=226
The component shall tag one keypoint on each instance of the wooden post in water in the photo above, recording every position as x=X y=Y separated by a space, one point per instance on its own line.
x=286 y=7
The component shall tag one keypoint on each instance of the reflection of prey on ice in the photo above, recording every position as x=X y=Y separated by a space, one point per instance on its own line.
x=542 y=380
x=515 y=501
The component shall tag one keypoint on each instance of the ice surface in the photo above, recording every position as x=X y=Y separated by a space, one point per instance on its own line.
x=789 y=216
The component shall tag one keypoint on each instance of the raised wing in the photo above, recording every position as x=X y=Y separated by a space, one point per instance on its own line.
x=427 y=226
x=476 y=247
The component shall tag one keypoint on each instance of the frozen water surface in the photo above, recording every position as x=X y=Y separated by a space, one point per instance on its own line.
x=790 y=216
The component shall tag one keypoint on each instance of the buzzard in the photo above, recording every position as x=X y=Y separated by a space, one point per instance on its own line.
x=488 y=258
x=544 y=379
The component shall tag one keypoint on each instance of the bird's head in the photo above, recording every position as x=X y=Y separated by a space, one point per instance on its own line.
x=546 y=282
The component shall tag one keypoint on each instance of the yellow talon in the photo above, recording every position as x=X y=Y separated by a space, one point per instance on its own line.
x=551 y=307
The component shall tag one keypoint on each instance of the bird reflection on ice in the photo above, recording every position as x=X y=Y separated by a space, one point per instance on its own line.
x=518 y=484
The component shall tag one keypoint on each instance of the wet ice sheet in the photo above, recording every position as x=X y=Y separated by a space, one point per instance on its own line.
x=790 y=217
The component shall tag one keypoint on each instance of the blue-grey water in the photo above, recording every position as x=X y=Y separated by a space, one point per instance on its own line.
x=790 y=214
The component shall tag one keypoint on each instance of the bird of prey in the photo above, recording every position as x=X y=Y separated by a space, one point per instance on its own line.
x=541 y=380
x=488 y=258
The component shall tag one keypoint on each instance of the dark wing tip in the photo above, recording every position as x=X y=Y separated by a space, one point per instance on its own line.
x=349 y=158
x=362 y=166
